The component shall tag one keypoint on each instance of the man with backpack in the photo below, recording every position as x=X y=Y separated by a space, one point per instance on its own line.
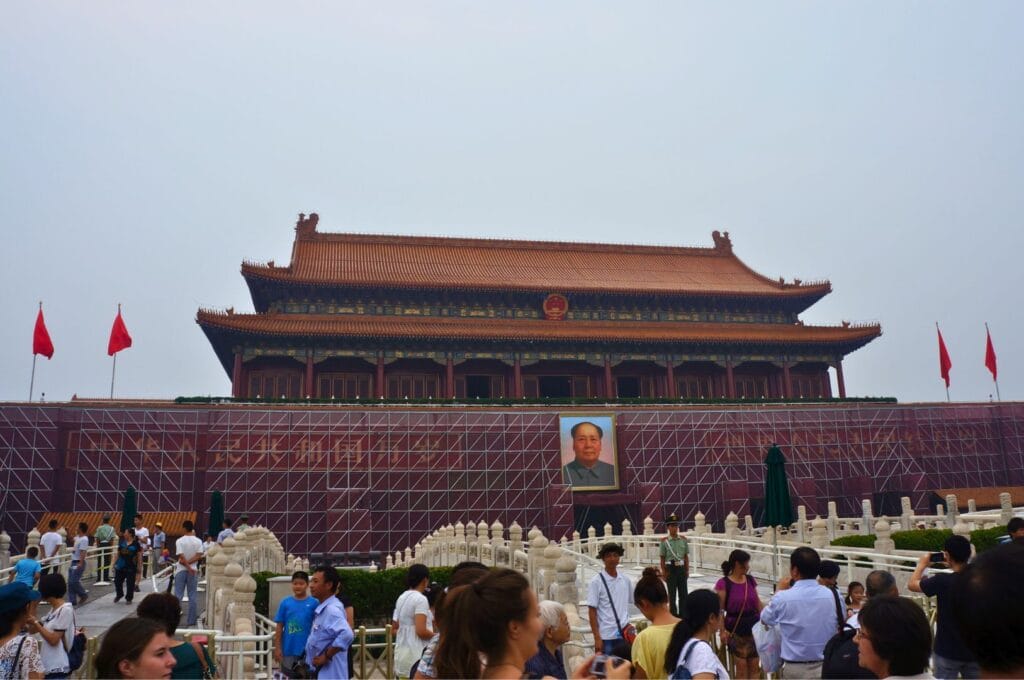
x=842 y=655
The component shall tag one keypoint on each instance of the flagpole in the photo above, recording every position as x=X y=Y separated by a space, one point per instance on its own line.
x=113 y=371
x=940 y=340
x=32 y=382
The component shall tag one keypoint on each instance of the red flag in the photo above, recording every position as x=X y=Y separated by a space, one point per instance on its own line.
x=119 y=338
x=41 y=343
x=990 y=354
x=944 y=363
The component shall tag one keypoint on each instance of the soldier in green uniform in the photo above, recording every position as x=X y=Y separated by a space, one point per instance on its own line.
x=675 y=563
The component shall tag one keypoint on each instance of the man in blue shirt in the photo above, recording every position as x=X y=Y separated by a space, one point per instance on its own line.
x=27 y=569
x=331 y=635
x=294 y=621
x=807 y=613
x=547 y=662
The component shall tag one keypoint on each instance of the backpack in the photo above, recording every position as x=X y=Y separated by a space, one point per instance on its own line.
x=842 y=657
x=76 y=652
x=682 y=672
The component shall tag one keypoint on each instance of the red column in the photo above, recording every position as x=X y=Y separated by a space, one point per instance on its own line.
x=839 y=379
x=730 y=383
x=609 y=388
x=787 y=382
x=236 y=376
x=449 y=379
x=379 y=387
x=309 y=374
x=517 y=378
x=826 y=384
x=670 y=376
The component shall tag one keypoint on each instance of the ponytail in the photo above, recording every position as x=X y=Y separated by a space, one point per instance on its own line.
x=650 y=587
x=698 y=608
x=735 y=557
x=476 y=618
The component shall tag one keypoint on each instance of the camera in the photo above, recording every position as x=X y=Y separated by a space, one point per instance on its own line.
x=938 y=557
x=601 y=664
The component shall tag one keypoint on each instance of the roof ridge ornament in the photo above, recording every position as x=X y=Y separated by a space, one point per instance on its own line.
x=305 y=227
x=722 y=241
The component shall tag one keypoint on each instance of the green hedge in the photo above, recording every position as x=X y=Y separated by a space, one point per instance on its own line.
x=925 y=540
x=373 y=594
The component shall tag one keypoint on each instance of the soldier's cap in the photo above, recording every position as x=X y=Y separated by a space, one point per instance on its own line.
x=610 y=548
x=672 y=519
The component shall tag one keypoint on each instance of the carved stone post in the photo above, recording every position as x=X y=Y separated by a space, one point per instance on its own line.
x=577 y=544
x=819 y=533
x=972 y=506
x=243 y=620
x=698 y=523
x=649 y=541
x=497 y=541
x=232 y=573
x=952 y=511
x=535 y=559
x=832 y=520
x=748 y=525
x=883 y=542
x=5 y=550
x=627 y=540
x=515 y=542
x=961 y=528
x=906 y=514
x=801 y=523
x=731 y=524
x=481 y=539
x=867 y=518
x=1005 y=507
x=548 y=573
x=592 y=548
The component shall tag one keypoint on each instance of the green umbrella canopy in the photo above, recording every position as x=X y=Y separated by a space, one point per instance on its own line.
x=129 y=509
x=216 y=512
x=778 y=508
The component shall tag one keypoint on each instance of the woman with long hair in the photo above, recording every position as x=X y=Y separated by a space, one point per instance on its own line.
x=135 y=648
x=19 y=652
x=192 y=660
x=690 y=646
x=737 y=596
x=497 y=617
x=651 y=597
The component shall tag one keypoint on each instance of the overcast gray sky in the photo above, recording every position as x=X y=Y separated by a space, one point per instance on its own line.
x=146 y=149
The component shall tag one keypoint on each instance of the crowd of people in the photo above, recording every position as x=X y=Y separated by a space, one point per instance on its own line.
x=489 y=623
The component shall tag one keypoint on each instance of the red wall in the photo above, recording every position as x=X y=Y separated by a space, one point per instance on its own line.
x=334 y=479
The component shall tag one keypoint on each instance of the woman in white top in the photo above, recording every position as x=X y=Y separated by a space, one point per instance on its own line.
x=690 y=646
x=57 y=628
x=410 y=620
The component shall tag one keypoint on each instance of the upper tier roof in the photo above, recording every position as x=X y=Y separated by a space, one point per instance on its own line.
x=379 y=261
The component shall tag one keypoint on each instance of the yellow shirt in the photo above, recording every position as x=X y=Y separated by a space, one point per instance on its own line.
x=649 y=649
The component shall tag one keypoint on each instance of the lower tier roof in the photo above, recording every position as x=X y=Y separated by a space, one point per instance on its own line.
x=849 y=337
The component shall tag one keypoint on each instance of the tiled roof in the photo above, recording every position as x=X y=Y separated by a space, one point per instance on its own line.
x=460 y=263
x=171 y=521
x=328 y=325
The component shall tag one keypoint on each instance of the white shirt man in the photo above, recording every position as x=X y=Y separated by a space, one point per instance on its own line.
x=50 y=542
x=186 y=574
x=606 y=621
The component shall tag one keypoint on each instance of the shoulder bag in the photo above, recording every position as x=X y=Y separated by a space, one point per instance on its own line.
x=629 y=630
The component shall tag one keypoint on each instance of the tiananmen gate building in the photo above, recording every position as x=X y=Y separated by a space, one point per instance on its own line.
x=357 y=316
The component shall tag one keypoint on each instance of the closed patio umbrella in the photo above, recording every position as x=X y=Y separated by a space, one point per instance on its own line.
x=778 y=508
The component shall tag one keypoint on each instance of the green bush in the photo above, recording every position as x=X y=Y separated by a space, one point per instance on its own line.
x=925 y=540
x=984 y=539
x=262 y=601
x=856 y=541
x=373 y=594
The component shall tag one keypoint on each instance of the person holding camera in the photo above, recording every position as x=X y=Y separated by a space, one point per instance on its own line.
x=951 y=658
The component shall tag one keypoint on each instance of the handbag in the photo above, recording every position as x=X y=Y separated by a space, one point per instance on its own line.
x=768 y=640
x=629 y=630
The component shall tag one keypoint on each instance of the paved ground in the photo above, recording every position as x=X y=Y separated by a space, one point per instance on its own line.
x=100 y=612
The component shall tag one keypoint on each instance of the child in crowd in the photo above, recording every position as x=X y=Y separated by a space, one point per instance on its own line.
x=855 y=597
x=294 y=621
x=27 y=569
